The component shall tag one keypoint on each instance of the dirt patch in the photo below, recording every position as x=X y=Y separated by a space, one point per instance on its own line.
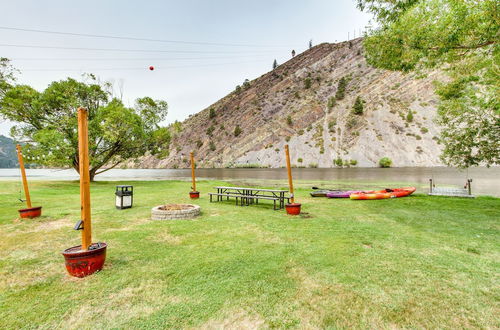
x=166 y=238
x=236 y=320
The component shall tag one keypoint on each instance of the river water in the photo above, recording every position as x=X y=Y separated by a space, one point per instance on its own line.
x=486 y=181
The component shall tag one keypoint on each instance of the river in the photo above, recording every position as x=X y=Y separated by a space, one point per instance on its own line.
x=486 y=181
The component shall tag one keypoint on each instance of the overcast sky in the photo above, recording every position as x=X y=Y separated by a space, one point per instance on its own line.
x=221 y=43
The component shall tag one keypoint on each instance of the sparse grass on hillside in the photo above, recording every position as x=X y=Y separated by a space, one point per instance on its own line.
x=415 y=262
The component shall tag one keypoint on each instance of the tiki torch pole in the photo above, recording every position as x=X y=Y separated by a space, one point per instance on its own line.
x=23 y=174
x=289 y=169
x=193 y=178
x=83 y=159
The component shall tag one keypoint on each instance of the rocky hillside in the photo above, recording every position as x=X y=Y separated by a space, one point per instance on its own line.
x=308 y=102
x=8 y=156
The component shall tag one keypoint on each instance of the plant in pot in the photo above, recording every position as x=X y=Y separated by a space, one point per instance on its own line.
x=29 y=211
x=87 y=258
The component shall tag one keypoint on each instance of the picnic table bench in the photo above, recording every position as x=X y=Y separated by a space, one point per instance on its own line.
x=250 y=195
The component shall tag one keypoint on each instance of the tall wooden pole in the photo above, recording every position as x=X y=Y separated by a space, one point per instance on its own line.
x=83 y=159
x=23 y=174
x=193 y=178
x=289 y=169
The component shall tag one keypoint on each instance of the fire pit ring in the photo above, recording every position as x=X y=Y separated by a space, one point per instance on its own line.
x=175 y=211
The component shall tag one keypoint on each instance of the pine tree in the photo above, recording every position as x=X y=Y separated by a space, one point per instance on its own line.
x=310 y=44
x=339 y=95
x=293 y=52
x=358 y=106
x=275 y=64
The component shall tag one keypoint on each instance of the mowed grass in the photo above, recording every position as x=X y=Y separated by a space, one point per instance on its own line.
x=416 y=262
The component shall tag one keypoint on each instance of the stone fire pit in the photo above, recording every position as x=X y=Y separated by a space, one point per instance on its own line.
x=175 y=211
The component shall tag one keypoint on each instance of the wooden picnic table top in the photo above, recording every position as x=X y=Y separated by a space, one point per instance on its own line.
x=253 y=189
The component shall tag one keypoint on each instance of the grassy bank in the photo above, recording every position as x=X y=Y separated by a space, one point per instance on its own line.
x=411 y=262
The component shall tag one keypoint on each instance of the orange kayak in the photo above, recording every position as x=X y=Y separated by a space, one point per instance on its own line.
x=384 y=194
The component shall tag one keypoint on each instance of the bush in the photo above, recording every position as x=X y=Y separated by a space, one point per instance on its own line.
x=210 y=130
x=238 y=89
x=424 y=130
x=353 y=162
x=237 y=130
x=211 y=114
x=289 y=120
x=409 y=116
x=287 y=139
x=300 y=160
x=331 y=102
x=212 y=145
x=338 y=162
x=340 y=94
x=307 y=83
x=313 y=165
x=199 y=143
x=297 y=95
x=300 y=132
x=357 y=108
x=385 y=162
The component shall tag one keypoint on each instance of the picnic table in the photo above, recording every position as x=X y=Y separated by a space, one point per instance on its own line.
x=250 y=195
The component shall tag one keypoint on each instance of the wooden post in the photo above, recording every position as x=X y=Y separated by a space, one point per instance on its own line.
x=289 y=169
x=193 y=178
x=23 y=174
x=83 y=159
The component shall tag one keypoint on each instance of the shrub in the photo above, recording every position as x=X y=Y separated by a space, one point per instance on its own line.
x=238 y=89
x=212 y=145
x=300 y=132
x=331 y=102
x=297 y=95
x=237 y=130
x=246 y=84
x=210 y=130
x=424 y=130
x=287 y=139
x=211 y=114
x=199 y=143
x=351 y=122
x=385 y=162
x=300 y=160
x=313 y=165
x=409 y=116
x=357 y=108
x=353 y=162
x=338 y=162
x=340 y=94
x=307 y=83
x=289 y=120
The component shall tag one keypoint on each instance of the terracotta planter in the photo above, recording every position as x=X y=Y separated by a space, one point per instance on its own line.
x=194 y=194
x=82 y=263
x=32 y=212
x=293 y=209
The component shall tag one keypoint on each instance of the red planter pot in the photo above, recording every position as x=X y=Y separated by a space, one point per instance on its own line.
x=293 y=209
x=194 y=194
x=32 y=212
x=83 y=263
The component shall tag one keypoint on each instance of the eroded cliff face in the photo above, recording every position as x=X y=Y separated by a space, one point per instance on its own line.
x=298 y=103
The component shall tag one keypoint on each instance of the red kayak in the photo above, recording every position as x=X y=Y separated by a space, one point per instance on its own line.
x=384 y=194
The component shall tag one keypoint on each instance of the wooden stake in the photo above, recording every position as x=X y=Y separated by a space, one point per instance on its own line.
x=289 y=169
x=193 y=178
x=23 y=174
x=83 y=159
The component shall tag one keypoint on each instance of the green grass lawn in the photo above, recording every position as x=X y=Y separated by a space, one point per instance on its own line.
x=416 y=262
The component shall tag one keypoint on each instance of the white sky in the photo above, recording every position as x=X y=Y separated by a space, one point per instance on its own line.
x=189 y=77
